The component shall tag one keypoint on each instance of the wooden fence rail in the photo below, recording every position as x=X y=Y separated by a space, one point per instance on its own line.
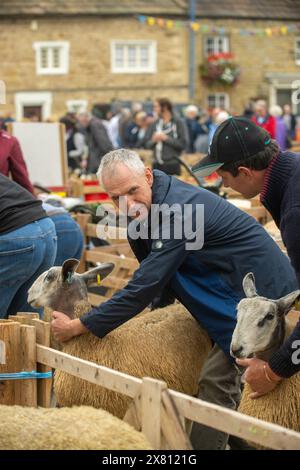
x=151 y=396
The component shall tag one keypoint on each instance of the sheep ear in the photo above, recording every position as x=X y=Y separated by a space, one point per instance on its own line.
x=249 y=285
x=96 y=275
x=285 y=303
x=68 y=269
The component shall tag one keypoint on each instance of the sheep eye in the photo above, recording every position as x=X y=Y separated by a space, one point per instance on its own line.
x=269 y=316
x=50 y=276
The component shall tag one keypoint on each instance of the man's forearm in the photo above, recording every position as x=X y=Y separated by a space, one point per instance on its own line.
x=78 y=328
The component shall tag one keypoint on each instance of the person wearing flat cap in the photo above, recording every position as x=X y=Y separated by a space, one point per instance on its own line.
x=250 y=162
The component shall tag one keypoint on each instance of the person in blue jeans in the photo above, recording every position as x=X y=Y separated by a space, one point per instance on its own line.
x=69 y=235
x=28 y=245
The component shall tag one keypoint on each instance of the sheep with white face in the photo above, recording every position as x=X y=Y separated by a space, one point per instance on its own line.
x=261 y=329
x=261 y=324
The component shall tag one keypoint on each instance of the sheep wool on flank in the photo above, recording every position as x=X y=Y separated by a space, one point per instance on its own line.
x=166 y=344
x=281 y=406
x=78 y=428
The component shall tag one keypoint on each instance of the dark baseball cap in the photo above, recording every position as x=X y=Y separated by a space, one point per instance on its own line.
x=236 y=139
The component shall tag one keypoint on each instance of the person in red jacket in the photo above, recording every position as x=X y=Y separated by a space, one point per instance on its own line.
x=263 y=119
x=12 y=161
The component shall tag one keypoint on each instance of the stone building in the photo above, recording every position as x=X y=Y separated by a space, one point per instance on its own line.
x=58 y=55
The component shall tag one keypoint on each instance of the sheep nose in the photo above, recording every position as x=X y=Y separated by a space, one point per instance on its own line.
x=237 y=351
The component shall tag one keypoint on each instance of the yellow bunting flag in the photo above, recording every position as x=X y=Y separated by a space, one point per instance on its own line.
x=170 y=24
x=151 y=21
x=283 y=29
x=195 y=27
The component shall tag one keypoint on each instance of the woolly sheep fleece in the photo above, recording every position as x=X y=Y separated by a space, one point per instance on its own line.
x=23 y=428
x=166 y=344
x=281 y=406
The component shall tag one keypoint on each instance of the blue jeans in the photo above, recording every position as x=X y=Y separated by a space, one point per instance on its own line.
x=69 y=238
x=25 y=253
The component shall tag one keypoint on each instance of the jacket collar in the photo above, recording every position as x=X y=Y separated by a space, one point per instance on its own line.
x=161 y=185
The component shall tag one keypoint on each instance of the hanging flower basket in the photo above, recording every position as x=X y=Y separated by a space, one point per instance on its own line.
x=220 y=69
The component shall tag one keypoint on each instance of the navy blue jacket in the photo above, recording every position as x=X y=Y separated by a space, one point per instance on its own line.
x=281 y=196
x=208 y=281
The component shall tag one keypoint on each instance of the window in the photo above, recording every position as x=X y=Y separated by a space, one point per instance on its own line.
x=297 y=51
x=218 y=100
x=52 y=57
x=133 y=56
x=215 y=45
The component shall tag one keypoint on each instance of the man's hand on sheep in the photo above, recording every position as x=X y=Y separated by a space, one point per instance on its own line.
x=259 y=376
x=64 y=328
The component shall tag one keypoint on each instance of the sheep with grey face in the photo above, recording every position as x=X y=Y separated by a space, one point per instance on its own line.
x=167 y=344
x=84 y=428
x=261 y=329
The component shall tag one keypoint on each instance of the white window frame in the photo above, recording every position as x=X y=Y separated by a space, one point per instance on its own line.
x=126 y=69
x=297 y=51
x=80 y=105
x=218 y=95
x=64 y=57
x=43 y=99
x=215 y=39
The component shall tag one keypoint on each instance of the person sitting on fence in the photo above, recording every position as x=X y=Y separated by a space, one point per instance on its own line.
x=196 y=247
x=27 y=245
x=250 y=162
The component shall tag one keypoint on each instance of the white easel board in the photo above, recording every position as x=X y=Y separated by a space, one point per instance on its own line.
x=44 y=151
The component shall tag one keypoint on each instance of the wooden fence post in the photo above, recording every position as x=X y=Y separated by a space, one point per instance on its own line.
x=10 y=335
x=151 y=410
x=28 y=354
x=44 y=386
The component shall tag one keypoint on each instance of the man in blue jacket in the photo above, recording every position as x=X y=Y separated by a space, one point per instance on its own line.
x=199 y=251
x=252 y=163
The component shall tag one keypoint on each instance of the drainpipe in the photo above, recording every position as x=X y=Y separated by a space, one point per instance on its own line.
x=192 y=50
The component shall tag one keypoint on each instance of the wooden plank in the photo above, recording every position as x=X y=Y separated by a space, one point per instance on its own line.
x=44 y=386
x=99 y=375
x=83 y=220
x=132 y=416
x=114 y=282
x=107 y=232
x=97 y=256
x=151 y=410
x=172 y=428
x=10 y=335
x=96 y=300
x=28 y=393
x=232 y=422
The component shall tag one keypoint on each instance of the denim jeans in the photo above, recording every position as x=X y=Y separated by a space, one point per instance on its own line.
x=69 y=238
x=220 y=383
x=25 y=253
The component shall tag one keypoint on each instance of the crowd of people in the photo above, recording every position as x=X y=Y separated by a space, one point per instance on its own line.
x=248 y=154
x=164 y=130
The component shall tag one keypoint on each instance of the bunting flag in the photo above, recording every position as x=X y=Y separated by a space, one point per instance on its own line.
x=197 y=26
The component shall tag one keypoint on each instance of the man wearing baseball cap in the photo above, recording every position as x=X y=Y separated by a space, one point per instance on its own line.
x=250 y=162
